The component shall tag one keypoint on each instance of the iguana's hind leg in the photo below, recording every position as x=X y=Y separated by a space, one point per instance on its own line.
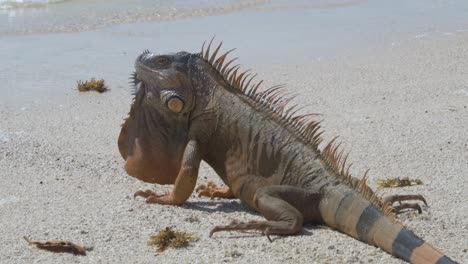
x=391 y=199
x=275 y=203
x=212 y=190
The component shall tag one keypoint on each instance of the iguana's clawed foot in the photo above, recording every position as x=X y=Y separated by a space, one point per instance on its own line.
x=212 y=190
x=240 y=226
x=153 y=197
x=147 y=193
x=391 y=199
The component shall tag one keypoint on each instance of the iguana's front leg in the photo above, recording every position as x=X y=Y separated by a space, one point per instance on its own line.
x=185 y=182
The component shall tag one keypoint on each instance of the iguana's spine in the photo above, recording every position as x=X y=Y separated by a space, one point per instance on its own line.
x=347 y=211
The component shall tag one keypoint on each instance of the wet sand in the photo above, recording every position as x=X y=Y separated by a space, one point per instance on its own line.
x=399 y=104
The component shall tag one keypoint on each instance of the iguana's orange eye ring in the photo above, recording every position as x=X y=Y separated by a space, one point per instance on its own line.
x=175 y=104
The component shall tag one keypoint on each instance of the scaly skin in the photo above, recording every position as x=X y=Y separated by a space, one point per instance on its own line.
x=194 y=107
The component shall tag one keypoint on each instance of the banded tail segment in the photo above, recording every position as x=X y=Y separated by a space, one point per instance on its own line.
x=347 y=211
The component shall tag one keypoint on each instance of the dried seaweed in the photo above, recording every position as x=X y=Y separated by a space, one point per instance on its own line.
x=59 y=246
x=398 y=182
x=170 y=238
x=92 y=85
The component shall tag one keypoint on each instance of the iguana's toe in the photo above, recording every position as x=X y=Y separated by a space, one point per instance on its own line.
x=212 y=190
x=147 y=193
x=157 y=198
x=265 y=227
x=161 y=199
x=391 y=199
x=398 y=208
x=242 y=226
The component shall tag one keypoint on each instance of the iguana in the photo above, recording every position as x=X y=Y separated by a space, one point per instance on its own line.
x=190 y=107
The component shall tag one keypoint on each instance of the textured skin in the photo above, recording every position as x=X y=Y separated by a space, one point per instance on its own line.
x=194 y=107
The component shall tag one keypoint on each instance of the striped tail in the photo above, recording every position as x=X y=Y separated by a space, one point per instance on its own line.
x=347 y=211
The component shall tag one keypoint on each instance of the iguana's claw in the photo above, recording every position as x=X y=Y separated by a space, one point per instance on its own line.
x=391 y=199
x=267 y=234
x=212 y=190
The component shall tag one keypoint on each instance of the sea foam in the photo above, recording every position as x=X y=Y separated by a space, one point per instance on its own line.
x=12 y=4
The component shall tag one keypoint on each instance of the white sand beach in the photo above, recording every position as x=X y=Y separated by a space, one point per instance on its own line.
x=396 y=97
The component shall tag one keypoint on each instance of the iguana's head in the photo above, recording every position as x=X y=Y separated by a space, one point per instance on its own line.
x=153 y=137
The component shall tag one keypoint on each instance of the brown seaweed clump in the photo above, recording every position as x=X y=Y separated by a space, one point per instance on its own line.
x=170 y=238
x=398 y=182
x=59 y=246
x=92 y=85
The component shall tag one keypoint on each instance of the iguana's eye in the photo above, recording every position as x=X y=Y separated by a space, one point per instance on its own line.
x=163 y=61
x=175 y=104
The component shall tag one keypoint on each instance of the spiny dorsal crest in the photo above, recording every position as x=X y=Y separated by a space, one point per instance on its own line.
x=274 y=101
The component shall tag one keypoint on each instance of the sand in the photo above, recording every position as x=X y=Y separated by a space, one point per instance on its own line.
x=400 y=106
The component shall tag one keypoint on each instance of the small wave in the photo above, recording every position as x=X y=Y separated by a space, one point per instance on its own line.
x=14 y=4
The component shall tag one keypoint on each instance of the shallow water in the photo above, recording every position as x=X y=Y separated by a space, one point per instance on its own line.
x=16 y=4
x=35 y=16
x=81 y=15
